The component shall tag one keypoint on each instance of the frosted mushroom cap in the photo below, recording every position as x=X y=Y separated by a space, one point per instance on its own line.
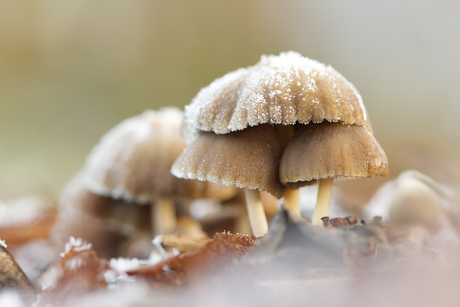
x=283 y=89
x=330 y=150
x=246 y=159
x=133 y=161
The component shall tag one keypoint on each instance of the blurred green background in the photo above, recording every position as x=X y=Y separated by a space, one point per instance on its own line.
x=70 y=70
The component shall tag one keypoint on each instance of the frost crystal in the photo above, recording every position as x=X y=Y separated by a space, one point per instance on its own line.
x=122 y=265
x=77 y=245
x=113 y=151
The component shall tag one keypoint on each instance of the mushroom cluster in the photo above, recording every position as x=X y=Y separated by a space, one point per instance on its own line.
x=286 y=122
x=126 y=188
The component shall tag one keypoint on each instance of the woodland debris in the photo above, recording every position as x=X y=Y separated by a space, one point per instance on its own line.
x=186 y=269
x=12 y=277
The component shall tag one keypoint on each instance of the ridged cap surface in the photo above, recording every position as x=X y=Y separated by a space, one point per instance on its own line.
x=283 y=89
x=330 y=150
x=246 y=159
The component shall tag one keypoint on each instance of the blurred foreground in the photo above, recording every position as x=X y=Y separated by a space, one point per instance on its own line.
x=408 y=258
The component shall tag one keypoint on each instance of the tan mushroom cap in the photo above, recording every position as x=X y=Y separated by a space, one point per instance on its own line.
x=329 y=150
x=247 y=159
x=133 y=161
x=284 y=89
x=120 y=216
x=105 y=222
x=416 y=199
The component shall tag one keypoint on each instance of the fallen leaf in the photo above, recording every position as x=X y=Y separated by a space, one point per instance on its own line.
x=80 y=272
x=187 y=269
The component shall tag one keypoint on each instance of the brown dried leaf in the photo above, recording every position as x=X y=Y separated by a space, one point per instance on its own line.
x=185 y=269
x=80 y=272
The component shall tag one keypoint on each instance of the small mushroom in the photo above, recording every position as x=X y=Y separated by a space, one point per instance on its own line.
x=283 y=91
x=130 y=167
x=327 y=151
x=108 y=223
x=247 y=159
x=133 y=160
x=411 y=199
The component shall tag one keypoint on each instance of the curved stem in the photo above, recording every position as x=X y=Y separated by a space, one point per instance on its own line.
x=256 y=213
x=292 y=200
x=323 y=201
x=164 y=219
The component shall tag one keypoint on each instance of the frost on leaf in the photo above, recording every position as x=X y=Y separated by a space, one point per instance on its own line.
x=186 y=269
x=75 y=245
x=80 y=272
x=282 y=89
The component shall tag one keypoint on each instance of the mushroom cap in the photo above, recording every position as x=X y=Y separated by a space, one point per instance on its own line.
x=125 y=218
x=329 y=150
x=411 y=199
x=283 y=89
x=416 y=199
x=246 y=159
x=105 y=222
x=133 y=160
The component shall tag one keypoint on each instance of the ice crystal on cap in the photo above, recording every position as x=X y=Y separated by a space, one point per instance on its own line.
x=283 y=89
x=108 y=174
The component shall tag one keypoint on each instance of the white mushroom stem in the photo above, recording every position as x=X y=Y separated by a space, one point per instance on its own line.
x=242 y=223
x=256 y=213
x=291 y=197
x=164 y=219
x=292 y=200
x=323 y=201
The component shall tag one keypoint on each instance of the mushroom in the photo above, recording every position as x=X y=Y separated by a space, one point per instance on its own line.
x=282 y=91
x=247 y=159
x=132 y=162
x=411 y=199
x=331 y=150
x=417 y=199
x=111 y=225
